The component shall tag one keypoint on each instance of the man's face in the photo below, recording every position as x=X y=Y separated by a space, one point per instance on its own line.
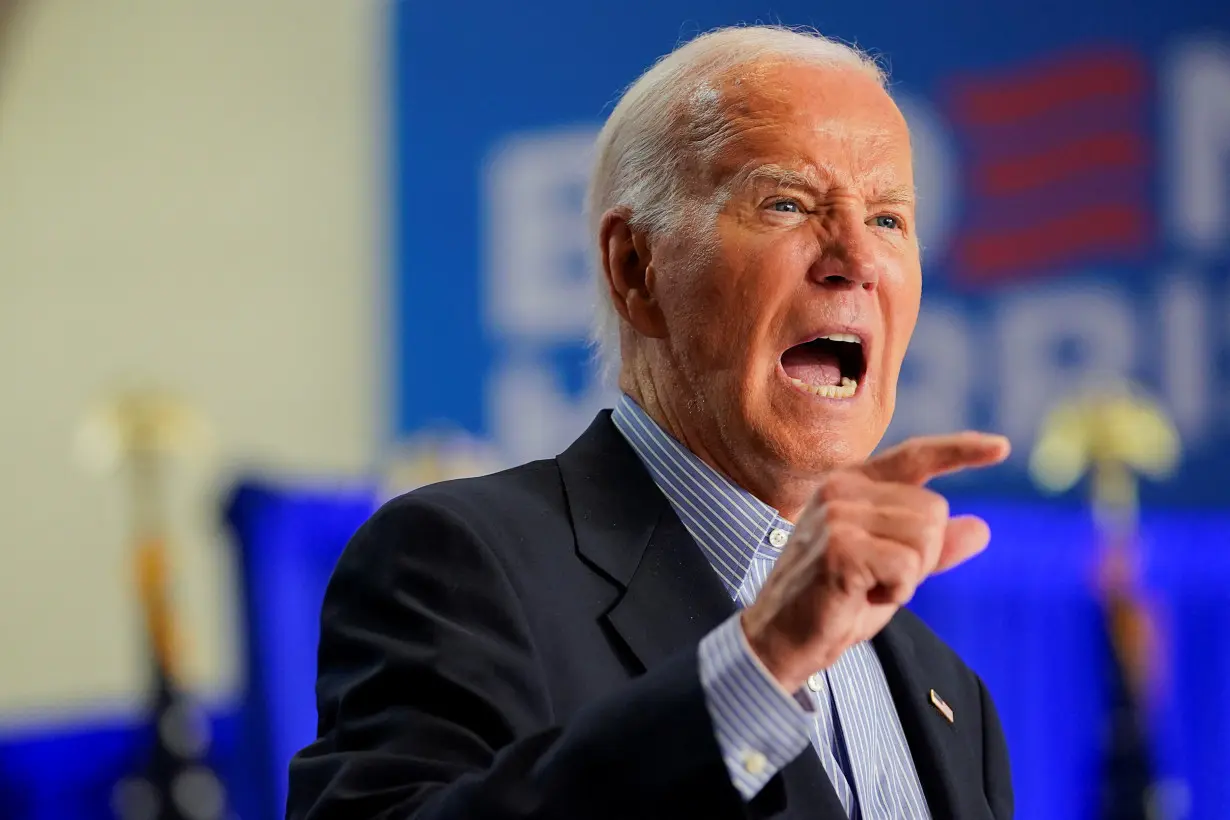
x=814 y=238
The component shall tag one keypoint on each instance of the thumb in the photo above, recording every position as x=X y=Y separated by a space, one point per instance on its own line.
x=965 y=537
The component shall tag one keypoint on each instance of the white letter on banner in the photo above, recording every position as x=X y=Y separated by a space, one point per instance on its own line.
x=1187 y=356
x=1092 y=325
x=530 y=414
x=536 y=248
x=1196 y=85
x=935 y=391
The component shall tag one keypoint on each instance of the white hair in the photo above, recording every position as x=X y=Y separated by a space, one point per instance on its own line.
x=670 y=116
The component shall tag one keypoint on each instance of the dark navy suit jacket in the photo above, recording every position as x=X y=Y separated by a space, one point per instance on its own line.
x=524 y=645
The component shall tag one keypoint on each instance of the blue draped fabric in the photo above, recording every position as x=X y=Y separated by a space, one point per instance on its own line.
x=288 y=542
x=68 y=770
x=1024 y=615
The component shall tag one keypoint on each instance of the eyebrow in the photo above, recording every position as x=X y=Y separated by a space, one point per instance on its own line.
x=793 y=178
x=780 y=175
x=893 y=195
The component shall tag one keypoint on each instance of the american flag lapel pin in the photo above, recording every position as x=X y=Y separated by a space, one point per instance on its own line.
x=938 y=703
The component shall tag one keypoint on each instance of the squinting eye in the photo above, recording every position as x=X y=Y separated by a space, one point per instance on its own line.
x=888 y=221
x=787 y=206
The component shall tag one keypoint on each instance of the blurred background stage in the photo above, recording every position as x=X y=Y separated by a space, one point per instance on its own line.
x=349 y=233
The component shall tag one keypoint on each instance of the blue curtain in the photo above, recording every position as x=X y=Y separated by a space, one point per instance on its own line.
x=1024 y=615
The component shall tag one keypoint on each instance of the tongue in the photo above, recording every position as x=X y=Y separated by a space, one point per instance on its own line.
x=812 y=364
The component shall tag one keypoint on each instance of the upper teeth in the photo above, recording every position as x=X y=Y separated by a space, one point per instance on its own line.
x=843 y=337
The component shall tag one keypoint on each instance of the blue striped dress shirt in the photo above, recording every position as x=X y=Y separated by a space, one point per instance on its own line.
x=845 y=711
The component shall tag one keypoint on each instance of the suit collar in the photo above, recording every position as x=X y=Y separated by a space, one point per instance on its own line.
x=614 y=504
x=626 y=528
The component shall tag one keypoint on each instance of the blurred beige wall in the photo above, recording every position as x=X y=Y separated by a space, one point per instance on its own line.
x=189 y=193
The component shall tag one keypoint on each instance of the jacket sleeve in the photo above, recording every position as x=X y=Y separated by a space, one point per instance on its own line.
x=996 y=770
x=432 y=703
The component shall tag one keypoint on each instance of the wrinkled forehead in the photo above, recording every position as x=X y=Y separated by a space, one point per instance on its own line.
x=835 y=121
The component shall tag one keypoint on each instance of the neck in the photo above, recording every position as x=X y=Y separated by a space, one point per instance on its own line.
x=766 y=480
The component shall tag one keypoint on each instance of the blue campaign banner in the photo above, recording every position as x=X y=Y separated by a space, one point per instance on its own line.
x=1073 y=166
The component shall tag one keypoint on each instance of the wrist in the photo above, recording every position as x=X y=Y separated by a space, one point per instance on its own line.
x=774 y=652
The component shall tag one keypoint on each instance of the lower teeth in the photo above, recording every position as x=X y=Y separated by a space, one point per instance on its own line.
x=845 y=390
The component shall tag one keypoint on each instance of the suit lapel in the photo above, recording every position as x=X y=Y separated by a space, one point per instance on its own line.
x=672 y=598
x=628 y=530
x=939 y=751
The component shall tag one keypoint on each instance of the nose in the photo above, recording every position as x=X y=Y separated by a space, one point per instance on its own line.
x=847 y=261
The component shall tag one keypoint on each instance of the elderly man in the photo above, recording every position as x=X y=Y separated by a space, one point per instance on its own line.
x=694 y=611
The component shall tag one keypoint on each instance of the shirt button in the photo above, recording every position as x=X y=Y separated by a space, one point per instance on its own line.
x=815 y=683
x=778 y=538
x=754 y=762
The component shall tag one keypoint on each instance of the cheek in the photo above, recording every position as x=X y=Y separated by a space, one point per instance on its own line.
x=765 y=286
x=900 y=298
x=733 y=297
x=701 y=299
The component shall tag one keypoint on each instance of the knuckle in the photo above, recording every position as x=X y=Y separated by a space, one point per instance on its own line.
x=840 y=574
x=913 y=564
x=933 y=535
x=902 y=590
x=903 y=594
x=838 y=513
x=896 y=573
x=908 y=520
x=843 y=533
x=936 y=508
x=899 y=565
x=839 y=582
x=930 y=527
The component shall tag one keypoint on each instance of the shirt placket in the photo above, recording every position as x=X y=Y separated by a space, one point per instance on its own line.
x=826 y=734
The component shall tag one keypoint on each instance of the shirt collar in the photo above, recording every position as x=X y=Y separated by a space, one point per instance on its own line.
x=730 y=525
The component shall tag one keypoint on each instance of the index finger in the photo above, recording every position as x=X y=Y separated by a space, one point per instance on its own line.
x=920 y=459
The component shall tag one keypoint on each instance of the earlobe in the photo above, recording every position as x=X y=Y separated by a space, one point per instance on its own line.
x=627 y=263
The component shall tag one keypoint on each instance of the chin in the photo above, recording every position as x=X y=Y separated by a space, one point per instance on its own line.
x=829 y=428
x=827 y=450
x=814 y=446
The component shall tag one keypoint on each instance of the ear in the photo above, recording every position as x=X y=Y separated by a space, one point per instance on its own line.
x=627 y=263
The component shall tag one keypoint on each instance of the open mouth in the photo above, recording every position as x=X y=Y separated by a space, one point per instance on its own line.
x=830 y=366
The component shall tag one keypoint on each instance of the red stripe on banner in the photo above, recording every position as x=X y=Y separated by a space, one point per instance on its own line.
x=1057 y=85
x=1114 y=230
x=1011 y=176
x=1114 y=115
